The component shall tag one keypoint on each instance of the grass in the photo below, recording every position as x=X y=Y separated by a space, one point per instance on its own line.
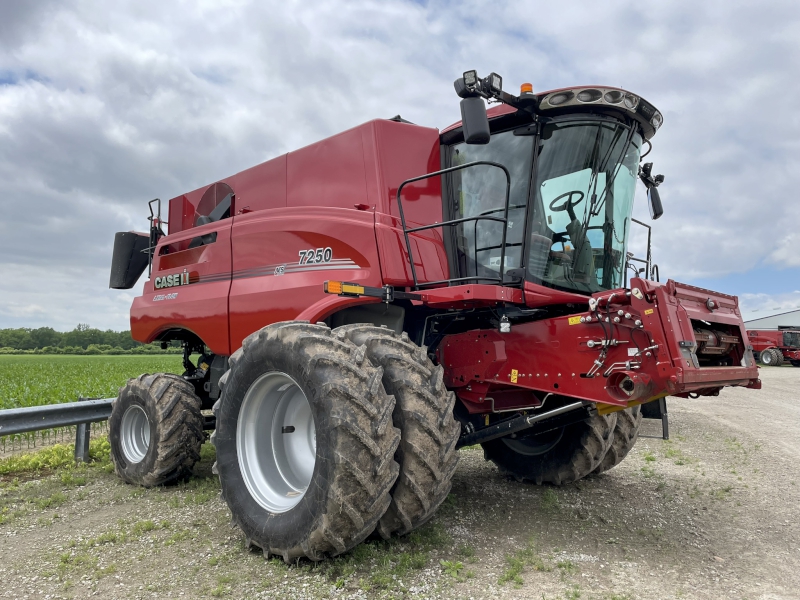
x=386 y=566
x=57 y=457
x=40 y=380
x=518 y=561
x=549 y=500
x=84 y=555
x=53 y=379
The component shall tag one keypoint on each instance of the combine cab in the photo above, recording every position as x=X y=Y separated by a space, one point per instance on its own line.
x=356 y=310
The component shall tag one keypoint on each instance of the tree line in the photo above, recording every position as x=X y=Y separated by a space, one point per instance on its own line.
x=81 y=340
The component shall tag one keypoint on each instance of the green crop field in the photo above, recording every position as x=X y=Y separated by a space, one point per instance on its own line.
x=49 y=379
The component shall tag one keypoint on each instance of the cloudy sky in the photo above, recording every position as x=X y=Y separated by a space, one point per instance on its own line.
x=103 y=109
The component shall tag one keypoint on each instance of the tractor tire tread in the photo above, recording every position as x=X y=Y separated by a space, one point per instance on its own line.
x=177 y=432
x=626 y=432
x=424 y=414
x=363 y=439
x=576 y=456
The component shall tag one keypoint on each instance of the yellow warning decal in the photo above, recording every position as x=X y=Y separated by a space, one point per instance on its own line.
x=514 y=375
x=574 y=320
x=649 y=311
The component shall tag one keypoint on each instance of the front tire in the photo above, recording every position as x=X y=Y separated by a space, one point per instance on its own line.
x=559 y=457
x=155 y=430
x=626 y=432
x=305 y=442
x=424 y=414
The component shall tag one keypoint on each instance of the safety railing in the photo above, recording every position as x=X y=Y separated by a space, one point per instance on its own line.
x=80 y=414
x=650 y=271
x=453 y=222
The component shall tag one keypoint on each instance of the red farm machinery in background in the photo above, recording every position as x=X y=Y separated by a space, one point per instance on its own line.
x=774 y=347
x=362 y=307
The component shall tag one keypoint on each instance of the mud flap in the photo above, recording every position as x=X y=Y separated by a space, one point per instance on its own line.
x=657 y=409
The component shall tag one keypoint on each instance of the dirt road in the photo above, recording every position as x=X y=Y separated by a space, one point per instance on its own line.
x=712 y=513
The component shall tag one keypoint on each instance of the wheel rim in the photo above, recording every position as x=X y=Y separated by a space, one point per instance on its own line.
x=276 y=442
x=766 y=358
x=535 y=445
x=135 y=434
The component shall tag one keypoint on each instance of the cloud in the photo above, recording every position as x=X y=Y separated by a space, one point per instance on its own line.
x=103 y=109
x=754 y=306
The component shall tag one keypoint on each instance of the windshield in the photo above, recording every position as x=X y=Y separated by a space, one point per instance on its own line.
x=581 y=205
x=791 y=339
x=581 y=201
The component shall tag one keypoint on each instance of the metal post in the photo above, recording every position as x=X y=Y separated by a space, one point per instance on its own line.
x=662 y=403
x=82 y=442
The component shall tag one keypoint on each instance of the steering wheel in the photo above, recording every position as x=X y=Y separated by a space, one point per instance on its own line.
x=568 y=204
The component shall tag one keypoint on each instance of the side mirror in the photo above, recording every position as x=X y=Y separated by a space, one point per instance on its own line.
x=474 y=121
x=654 y=200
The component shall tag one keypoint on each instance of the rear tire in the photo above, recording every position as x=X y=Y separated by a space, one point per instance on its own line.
x=155 y=430
x=327 y=393
x=424 y=414
x=795 y=363
x=626 y=432
x=771 y=358
x=554 y=458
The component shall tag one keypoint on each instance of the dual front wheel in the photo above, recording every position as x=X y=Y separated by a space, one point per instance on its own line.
x=324 y=436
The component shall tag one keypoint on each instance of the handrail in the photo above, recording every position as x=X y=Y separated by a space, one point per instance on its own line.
x=450 y=223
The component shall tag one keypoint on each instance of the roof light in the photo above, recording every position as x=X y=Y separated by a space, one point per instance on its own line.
x=590 y=95
x=613 y=97
x=470 y=78
x=495 y=82
x=631 y=101
x=657 y=120
x=526 y=88
x=560 y=98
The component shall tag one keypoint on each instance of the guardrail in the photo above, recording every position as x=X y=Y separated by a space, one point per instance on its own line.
x=80 y=414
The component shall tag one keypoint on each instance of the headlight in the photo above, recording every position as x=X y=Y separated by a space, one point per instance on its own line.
x=613 y=97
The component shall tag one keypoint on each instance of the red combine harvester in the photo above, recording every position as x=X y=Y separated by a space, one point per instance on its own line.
x=773 y=348
x=364 y=306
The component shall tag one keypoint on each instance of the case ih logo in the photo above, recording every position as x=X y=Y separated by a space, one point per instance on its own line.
x=168 y=281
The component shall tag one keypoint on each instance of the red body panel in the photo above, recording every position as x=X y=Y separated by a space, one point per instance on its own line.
x=554 y=355
x=341 y=194
x=269 y=283
x=200 y=307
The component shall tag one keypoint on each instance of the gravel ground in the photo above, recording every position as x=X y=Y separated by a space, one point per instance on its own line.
x=712 y=513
